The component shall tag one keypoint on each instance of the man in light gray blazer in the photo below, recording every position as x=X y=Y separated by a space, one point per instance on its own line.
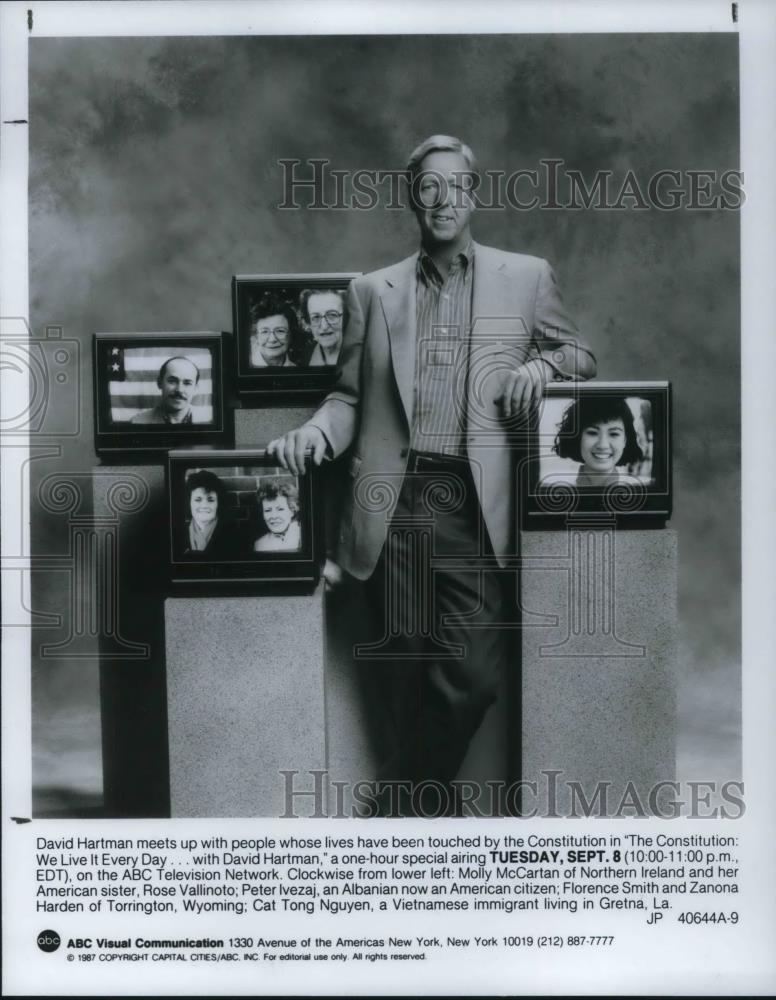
x=443 y=364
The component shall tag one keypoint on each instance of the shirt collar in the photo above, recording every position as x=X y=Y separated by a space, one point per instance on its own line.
x=427 y=269
x=186 y=420
x=199 y=537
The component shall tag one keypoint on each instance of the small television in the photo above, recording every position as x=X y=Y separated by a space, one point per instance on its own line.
x=238 y=517
x=287 y=334
x=156 y=391
x=601 y=453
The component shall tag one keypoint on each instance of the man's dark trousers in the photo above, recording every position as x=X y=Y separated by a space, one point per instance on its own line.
x=438 y=606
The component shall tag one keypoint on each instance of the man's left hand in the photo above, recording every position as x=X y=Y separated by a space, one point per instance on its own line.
x=523 y=388
x=332 y=575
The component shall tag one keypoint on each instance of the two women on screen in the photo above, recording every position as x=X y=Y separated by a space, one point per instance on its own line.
x=600 y=433
x=212 y=532
x=277 y=338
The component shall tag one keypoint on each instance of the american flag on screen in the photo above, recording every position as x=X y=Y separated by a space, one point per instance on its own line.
x=133 y=373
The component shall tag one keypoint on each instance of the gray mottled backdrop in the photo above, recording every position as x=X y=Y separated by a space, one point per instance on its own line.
x=154 y=178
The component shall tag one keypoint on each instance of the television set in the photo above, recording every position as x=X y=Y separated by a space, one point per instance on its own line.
x=601 y=453
x=287 y=334
x=239 y=518
x=156 y=391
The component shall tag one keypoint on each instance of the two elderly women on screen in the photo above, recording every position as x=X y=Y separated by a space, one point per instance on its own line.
x=279 y=506
x=274 y=332
x=600 y=434
x=209 y=530
x=324 y=312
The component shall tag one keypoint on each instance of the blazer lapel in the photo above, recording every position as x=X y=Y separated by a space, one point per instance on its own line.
x=500 y=336
x=498 y=323
x=493 y=317
x=398 y=304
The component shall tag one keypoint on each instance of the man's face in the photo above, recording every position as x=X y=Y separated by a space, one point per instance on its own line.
x=204 y=505
x=442 y=202
x=271 y=337
x=178 y=385
x=325 y=312
x=277 y=514
x=601 y=445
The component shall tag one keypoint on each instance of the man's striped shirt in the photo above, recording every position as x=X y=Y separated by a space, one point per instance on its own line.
x=443 y=321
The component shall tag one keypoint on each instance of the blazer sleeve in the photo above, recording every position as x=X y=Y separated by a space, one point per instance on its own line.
x=337 y=416
x=556 y=338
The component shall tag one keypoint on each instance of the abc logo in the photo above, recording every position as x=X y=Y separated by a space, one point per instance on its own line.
x=48 y=941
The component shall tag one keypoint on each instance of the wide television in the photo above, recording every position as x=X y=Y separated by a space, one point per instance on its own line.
x=287 y=333
x=600 y=454
x=156 y=391
x=238 y=517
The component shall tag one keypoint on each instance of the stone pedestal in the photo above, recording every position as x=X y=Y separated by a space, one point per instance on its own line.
x=126 y=568
x=245 y=702
x=598 y=660
x=255 y=428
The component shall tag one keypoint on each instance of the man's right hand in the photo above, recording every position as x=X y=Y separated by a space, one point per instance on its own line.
x=293 y=449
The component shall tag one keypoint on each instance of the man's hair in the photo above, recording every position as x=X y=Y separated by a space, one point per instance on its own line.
x=440 y=144
x=178 y=357
x=272 y=304
x=304 y=300
x=270 y=491
x=587 y=411
x=209 y=481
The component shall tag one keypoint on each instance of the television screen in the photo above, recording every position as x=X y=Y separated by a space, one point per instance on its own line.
x=237 y=516
x=601 y=448
x=154 y=391
x=288 y=331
